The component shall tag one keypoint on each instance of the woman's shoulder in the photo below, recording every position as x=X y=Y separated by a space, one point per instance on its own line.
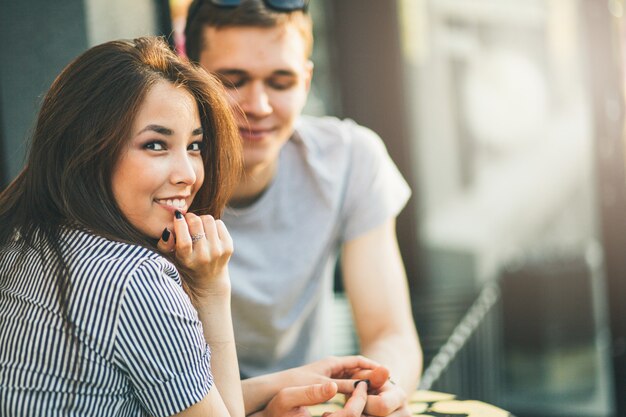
x=87 y=254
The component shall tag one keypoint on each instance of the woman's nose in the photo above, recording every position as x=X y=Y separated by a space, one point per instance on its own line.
x=184 y=170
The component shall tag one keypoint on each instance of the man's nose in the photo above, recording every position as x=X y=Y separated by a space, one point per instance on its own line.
x=256 y=101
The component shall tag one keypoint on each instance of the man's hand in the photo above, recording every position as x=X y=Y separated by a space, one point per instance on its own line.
x=259 y=391
x=292 y=401
x=319 y=381
x=384 y=398
x=340 y=370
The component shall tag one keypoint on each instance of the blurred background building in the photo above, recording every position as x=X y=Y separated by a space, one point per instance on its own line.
x=506 y=116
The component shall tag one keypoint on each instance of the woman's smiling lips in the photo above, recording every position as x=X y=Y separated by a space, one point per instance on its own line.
x=173 y=203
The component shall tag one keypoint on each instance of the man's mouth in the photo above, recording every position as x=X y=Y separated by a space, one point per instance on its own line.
x=253 y=134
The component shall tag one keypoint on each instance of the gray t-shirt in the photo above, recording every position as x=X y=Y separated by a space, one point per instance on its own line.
x=335 y=181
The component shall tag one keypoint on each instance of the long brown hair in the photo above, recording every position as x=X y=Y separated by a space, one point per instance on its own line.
x=83 y=126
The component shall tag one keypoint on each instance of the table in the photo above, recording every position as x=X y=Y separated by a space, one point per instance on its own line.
x=428 y=404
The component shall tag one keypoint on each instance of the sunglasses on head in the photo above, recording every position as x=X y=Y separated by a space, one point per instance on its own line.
x=279 y=5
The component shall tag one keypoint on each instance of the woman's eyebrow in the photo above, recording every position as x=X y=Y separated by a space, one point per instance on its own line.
x=158 y=129
x=167 y=131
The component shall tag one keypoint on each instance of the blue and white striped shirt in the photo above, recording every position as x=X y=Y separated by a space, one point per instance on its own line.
x=139 y=342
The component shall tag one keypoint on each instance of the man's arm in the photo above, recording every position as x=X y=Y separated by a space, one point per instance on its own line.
x=375 y=283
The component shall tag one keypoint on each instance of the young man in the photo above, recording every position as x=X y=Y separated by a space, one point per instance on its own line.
x=313 y=188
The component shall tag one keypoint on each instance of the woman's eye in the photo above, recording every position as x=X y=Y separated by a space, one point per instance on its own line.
x=196 y=146
x=155 y=146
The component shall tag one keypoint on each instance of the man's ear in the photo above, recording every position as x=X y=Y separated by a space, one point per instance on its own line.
x=308 y=71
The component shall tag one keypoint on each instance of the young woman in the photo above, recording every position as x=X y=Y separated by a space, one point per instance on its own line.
x=134 y=154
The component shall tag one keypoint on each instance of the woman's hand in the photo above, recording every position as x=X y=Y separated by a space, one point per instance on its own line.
x=334 y=371
x=203 y=247
x=293 y=389
x=292 y=402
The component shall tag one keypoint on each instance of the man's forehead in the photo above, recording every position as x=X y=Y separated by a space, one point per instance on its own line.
x=256 y=51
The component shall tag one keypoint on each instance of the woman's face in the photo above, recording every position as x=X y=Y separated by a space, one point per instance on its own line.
x=161 y=170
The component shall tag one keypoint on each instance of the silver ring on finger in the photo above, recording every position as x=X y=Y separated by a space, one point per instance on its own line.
x=197 y=236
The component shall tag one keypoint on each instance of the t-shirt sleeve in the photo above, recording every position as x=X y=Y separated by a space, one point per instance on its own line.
x=160 y=344
x=375 y=191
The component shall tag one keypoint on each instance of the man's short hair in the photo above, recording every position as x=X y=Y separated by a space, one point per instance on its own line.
x=250 y=13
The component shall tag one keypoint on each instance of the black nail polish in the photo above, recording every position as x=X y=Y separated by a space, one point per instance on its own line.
x=178 y=214
x=367 y=381
x=165 y=235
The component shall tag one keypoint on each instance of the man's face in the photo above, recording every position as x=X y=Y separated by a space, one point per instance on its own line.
x=267 y=76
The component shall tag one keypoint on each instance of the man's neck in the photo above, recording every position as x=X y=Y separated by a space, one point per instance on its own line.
x=254 y=183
